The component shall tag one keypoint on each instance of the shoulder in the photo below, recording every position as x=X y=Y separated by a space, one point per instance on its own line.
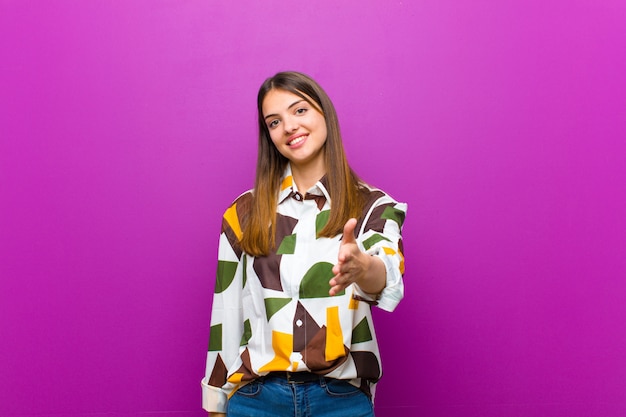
x=380 y=205
x=241 y=206
x=375 y=196
x=244 y=198
x=233 y=219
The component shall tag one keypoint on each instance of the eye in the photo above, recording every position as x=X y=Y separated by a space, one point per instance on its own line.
x=273 y=124
x=301 y=110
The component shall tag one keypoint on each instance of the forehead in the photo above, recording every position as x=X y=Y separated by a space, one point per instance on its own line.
x=277 y=100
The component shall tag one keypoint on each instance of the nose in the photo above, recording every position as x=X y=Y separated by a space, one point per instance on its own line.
x=290 y=124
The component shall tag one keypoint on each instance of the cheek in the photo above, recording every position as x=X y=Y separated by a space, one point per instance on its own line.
x=276 y=143
x=321 y=127
x=323 y=131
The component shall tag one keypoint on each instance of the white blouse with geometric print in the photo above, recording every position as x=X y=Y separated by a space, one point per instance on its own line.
x=274 y=313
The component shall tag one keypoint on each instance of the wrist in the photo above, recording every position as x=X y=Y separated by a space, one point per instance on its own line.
x=374 y=278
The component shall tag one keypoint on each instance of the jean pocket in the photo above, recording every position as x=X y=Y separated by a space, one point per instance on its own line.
x=339 y=388
x=251 y=389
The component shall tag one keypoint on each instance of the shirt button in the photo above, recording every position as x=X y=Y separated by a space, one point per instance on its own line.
x=298 y=196
x=299 y=323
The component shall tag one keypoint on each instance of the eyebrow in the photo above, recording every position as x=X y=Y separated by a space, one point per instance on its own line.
x=290 y=106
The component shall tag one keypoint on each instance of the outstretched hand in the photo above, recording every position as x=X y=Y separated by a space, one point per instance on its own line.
x=352 y=264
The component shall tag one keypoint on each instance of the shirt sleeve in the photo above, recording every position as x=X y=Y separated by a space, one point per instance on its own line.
x=381 y=236
x=227 y=315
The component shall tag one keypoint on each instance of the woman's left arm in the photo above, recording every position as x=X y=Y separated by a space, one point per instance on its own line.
x=374 y=262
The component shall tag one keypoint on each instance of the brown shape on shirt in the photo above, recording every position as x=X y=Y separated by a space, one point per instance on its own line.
x=246 y=367
x=267 y=268
x=370 y=198
x=244 y=204
x=320 y=200
x=376 y=221
x=218 y=376
x=314 y=355
x=307 y=329
x=367 y=366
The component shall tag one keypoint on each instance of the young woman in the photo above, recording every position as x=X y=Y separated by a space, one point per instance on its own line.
x=302 y=258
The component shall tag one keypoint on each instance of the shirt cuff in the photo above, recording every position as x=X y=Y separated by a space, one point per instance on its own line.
x=214 y=399
x=393 y=292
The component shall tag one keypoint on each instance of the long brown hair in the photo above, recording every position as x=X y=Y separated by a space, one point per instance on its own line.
x=259 y=226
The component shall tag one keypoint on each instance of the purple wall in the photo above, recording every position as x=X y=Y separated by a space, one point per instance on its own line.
x=126 y=128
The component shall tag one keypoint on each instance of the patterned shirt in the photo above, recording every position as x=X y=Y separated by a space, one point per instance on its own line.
x=274 y=313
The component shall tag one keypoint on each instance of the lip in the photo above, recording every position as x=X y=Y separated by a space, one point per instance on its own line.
x=304 y=137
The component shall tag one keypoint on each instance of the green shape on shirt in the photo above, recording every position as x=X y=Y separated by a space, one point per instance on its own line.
x=225 y=275
x=315 y=281
x=321 y=220
x=272 y=305
x=392 y=213
x=244 y=270
x=287 y=246
x=215 y=338
x=372 y=240
x=247 y=333
x=361 y=333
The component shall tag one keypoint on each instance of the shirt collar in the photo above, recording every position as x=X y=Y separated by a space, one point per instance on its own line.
x=288 y=187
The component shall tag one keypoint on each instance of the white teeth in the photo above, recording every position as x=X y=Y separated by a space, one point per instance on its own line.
x=297 y=140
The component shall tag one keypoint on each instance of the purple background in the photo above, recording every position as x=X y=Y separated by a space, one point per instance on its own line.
x=126 y=128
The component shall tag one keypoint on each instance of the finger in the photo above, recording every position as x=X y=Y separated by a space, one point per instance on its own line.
x=336 y=289
x=348 y=231
x=333 y=284
x=337 y=282
x=344 y=255
x=344 y=262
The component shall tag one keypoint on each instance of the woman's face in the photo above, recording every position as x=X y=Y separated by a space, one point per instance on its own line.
x=296 y=127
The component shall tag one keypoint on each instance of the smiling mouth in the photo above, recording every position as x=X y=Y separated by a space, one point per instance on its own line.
x=297 y=140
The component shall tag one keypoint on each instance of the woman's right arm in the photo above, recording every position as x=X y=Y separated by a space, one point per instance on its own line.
x=227 y=324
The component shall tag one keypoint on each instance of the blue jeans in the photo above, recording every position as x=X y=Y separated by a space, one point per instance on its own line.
x=277 y=397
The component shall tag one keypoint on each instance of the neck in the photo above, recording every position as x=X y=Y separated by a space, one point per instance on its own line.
x=305 y=177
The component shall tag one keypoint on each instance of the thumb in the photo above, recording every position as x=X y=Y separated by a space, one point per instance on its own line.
x=348 y=232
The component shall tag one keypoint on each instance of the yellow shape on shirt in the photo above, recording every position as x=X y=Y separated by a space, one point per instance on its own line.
x=236 y=377
x=287 y=182
x=334 y=335
x=390 y=251
x=233 y=220
x=282 y=343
